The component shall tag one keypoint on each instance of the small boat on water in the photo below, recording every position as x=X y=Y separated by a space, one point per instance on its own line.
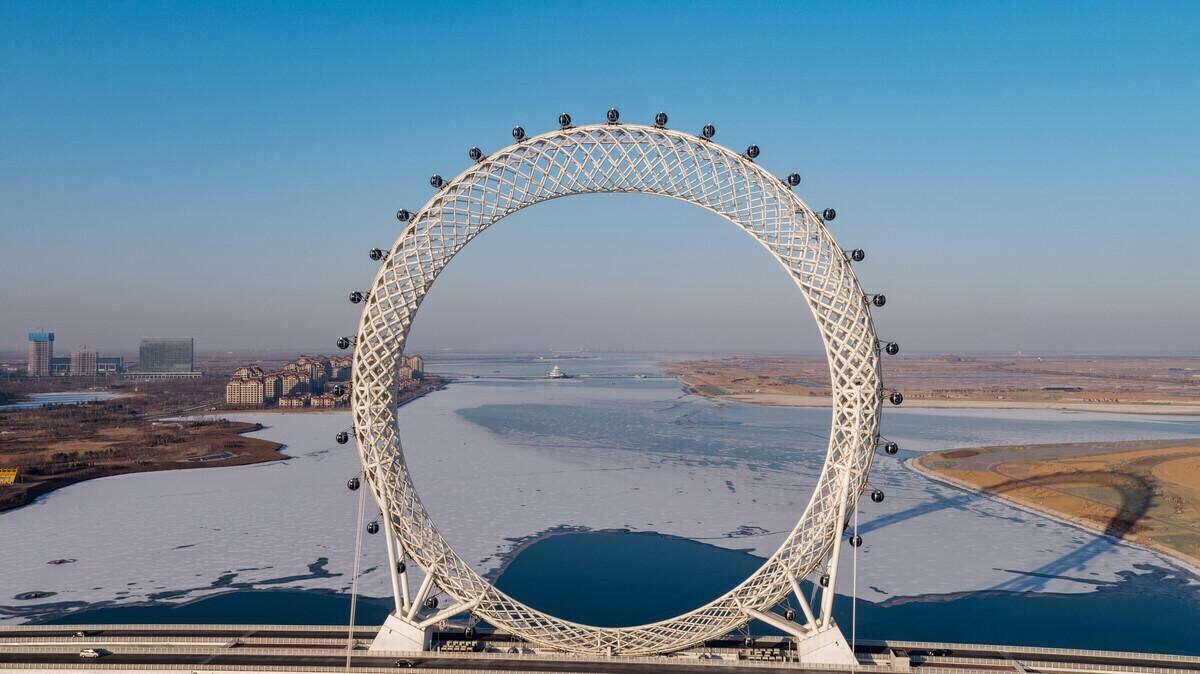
x=555 y=373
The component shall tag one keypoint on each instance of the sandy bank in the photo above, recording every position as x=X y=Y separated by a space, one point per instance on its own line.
x=790 y=400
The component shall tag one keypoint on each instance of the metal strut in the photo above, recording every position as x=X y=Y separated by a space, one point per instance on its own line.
x=399 y=594
x=827 y=592
x=358 y=527
x=811 y=620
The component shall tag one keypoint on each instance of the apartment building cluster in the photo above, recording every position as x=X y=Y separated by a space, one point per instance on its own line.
x=412 y=368
x=304 y=382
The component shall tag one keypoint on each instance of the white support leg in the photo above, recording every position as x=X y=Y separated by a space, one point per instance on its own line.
x=810 y=619
x=422 y=592
x=827 y=593
x=404 y=594
x=446 y=614
x=779 y=623
x=400 y=599
x=814 y=645
x=404 y=632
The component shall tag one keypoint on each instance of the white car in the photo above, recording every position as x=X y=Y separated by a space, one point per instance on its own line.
x=92 y=653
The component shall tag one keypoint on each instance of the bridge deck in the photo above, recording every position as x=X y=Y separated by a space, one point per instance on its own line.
x=258 y=648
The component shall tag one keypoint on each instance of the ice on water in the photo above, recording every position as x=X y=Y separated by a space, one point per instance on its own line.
x=498 y=460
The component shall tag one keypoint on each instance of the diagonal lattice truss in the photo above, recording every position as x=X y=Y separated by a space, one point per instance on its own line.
x=647 y=160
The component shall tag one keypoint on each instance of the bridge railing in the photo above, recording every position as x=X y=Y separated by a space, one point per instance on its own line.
x=1038 y=650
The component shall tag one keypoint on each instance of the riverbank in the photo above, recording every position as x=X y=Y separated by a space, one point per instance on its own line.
x=1145 y=492
x=52 y=448
x=792 y=400
x=49 y=456
x=1125 y=385
x=426 y=386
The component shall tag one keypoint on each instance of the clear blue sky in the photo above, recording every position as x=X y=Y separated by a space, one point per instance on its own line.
x=1022 y=175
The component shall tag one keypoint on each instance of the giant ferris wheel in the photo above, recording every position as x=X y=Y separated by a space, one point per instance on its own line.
x=647 y=159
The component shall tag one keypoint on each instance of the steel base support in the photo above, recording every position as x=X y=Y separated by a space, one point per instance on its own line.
x=401 y=634
x=825 y=646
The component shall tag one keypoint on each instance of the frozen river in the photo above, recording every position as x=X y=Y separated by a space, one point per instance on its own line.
x=36 y=400
x=499 y=459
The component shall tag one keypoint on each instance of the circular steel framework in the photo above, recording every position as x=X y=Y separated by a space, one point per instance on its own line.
x=639 y=159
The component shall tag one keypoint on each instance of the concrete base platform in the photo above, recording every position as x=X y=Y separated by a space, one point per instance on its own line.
x=400 y=634
x=827 y=646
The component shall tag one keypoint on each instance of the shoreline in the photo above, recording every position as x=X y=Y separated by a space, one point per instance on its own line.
x=519 y=545
x=406 y=396
x=805 y=401
x=1188 y=563
x=61 y=613
x=251 y=456
x=914 y=464
x=1122 y=385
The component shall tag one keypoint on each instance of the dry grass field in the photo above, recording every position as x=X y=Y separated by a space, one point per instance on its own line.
x=1144 y=491
x=55 y=447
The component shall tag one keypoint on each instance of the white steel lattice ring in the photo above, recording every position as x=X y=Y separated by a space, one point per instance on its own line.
x=620 y=158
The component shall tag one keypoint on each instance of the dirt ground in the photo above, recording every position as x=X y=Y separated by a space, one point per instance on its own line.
x=55 y=447
x=1144 y=491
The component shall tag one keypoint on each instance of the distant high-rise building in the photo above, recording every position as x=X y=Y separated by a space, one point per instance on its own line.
x=416 y=365
x=41 y=350
x=83 y=362
x=112 y=365
x=60 y=367
x=166 y=356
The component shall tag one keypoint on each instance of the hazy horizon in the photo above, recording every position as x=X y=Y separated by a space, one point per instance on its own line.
x=1021 y=175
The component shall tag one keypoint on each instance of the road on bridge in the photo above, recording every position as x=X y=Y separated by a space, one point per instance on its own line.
x=188 y=648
